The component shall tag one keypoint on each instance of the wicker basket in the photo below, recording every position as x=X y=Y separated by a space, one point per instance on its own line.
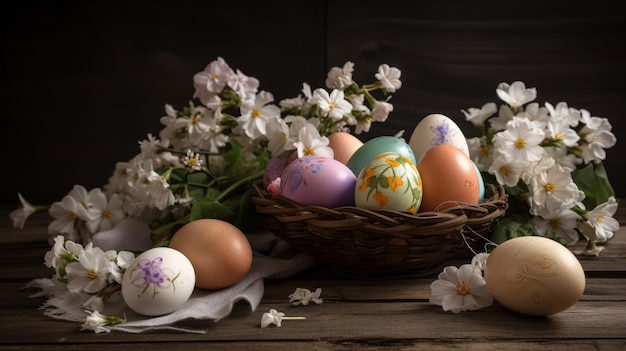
x=359 y=243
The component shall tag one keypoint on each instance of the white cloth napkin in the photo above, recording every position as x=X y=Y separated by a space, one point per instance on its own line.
x=272 y=258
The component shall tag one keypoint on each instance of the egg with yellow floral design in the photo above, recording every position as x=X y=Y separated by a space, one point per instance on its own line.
x=389 y=181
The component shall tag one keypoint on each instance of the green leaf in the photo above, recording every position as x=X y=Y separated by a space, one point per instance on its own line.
x=594 y=182
x=211 y=209
x=513 y=225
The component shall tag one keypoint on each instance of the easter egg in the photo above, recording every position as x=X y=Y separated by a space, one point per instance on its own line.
x=436 y=129
x=375 y=147
x=220 y=253
x=320 y=181
x=159 y=281
x=344 y=145
x=389 y=181
x=276 y=165
x=449 y=179
x=534 y=275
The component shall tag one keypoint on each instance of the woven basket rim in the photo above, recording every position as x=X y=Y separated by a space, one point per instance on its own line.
x=362 y=243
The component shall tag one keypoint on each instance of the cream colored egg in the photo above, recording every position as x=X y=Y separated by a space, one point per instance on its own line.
x=343 y=145
x=158 y=282
x=534 y=275
x=389 y=181
x=436 y=129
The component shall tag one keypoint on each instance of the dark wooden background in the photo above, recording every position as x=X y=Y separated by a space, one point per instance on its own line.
x=83 y=82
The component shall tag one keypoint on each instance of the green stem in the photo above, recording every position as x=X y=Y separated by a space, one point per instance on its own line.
x=226 y=192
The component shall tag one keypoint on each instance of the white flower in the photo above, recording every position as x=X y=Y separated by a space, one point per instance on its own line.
x=598 y=137
x=65 y=216
x=310 y=143
x=389 y=77
x=561 y=223
x=602 y=221
x=97 y=322
x=245 y=87
x=333 y=106
x=276 y=318
x=19 y=216
x=460 y=289
x=516 y=94
x=554 y=189
x=520 y=141
x=255 y=113
x=381 y=111
x=272 y=317
x=564 y=113
x=212 y=80
x=108 y=212
x=505 y=115
x=118 y=266
x=507 y=172
x=560 y=131
x=479 y=116
x=192 y=161
x=305 y=296
x=90 y=273
x=340 y=78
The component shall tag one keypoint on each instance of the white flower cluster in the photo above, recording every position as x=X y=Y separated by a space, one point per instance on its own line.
x=88 y=269
x=225 y=139
x=540 y=147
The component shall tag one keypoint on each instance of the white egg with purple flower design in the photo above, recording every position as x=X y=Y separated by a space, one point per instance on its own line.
x=158 y=281
x=436 y=129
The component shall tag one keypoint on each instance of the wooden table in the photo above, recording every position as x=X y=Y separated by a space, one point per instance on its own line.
x=361 y=315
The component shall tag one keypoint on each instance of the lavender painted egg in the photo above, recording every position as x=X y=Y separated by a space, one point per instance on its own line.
x=321 y=181
x=276 y=166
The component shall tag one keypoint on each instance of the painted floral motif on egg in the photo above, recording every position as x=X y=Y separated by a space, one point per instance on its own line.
x=389 y=181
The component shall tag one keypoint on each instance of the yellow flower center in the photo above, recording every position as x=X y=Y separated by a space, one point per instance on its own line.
x=484 y=151
x=106 y=214
x=309 y=151
x=463 y=289
x=332 y=105
x=520 y=143
x=505 y=170
x=256 y=113
x=549 y=187
x=91 y=274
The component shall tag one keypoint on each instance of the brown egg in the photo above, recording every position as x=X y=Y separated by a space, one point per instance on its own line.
x=448 y=179
x=219 y=252
x=343 y=145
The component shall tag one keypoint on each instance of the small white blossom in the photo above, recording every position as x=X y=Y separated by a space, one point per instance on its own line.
x=479 y=116
x=331 y=105
x=602 y=221
x=460 y=289
x=516 y=94
x=98 y=322
x=192 y=161
x=389 y=77
x=520 y=141
x=275 y=317
x=90 y=273
x=19 y=216
x=310 y=143
x=305 y=296
x=340 y=77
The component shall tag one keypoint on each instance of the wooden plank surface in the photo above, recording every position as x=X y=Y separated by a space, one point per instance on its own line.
x=356 y=314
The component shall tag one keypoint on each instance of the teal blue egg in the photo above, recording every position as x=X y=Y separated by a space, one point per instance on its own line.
x=481 y=183
x=376 y=146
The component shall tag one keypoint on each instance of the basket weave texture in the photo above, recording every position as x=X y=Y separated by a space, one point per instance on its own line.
x=361 y=243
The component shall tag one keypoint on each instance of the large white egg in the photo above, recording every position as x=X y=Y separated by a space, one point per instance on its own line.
x=534 y=275
x=436 y=129
x=158 y=282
